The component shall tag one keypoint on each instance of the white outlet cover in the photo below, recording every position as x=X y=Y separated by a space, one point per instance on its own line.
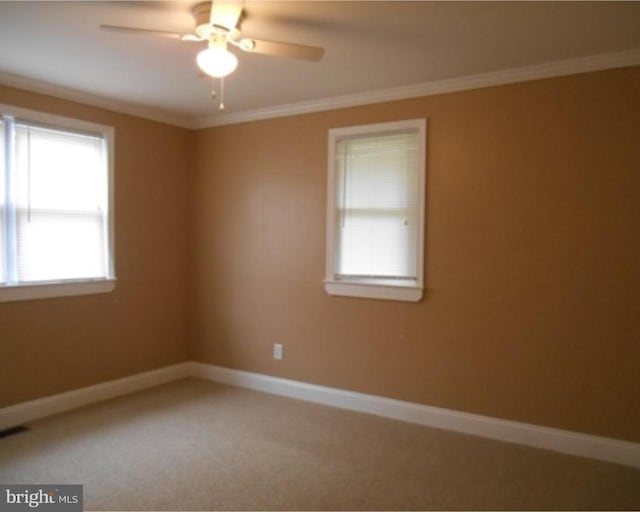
x=277 y=351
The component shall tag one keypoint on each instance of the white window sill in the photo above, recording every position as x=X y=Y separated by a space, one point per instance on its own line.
x=374 y=289
x=46 y=290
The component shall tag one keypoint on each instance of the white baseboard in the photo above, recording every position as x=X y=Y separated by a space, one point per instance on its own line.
x=573 y=443
x=54 y=404
x=563 y=441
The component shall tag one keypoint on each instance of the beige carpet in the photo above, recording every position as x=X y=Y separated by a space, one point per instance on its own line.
x=197 y=445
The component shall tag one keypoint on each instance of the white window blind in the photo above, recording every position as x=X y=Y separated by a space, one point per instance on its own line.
x=378 y=199
x=3 y=209
x=60 y=196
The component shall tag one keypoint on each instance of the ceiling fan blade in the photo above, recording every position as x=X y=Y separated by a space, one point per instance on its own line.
x=152 y=32
x=294 y=51
x=226 y=13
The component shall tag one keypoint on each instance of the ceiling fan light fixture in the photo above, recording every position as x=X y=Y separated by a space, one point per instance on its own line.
x=217 y=61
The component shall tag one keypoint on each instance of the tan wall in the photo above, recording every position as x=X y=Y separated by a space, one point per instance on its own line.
x=532 y=265
x=53 y=345
x=532 y=311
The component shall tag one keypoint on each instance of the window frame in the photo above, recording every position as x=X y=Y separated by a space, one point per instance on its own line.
x=68 y=287
x=374 y=288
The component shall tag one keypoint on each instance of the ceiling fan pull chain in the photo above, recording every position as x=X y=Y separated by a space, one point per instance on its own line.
x=221 y=93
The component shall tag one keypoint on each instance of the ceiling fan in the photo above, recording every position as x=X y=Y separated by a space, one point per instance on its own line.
x=218 y=24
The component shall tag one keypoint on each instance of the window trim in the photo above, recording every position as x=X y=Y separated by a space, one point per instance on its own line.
x=69 y=287
x=374 y=288
x=51 y=289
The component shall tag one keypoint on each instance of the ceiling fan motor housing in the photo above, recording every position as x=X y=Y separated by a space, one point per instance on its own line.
x=205 y=29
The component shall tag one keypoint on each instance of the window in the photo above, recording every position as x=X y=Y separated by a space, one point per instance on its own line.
x=375 y=218
x=56 y=229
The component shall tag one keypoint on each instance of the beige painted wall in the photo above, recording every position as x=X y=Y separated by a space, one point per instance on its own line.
x=532 y=265
x=53 y=345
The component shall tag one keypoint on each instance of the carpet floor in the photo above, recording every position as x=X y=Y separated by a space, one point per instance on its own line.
x=195 y=445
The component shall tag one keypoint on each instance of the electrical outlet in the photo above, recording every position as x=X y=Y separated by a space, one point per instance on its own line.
x=277 y=350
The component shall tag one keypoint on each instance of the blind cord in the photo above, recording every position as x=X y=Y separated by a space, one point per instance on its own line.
x=344 y=183
x=29 y=174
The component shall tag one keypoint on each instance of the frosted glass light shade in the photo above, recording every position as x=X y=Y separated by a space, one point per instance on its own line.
x=217 y=61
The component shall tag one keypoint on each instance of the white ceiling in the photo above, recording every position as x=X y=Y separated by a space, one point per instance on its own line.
x=369 y=46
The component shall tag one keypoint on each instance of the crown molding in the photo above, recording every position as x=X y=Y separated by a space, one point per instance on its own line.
x=508 y=76
x=493 y=78
x=66 y=93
